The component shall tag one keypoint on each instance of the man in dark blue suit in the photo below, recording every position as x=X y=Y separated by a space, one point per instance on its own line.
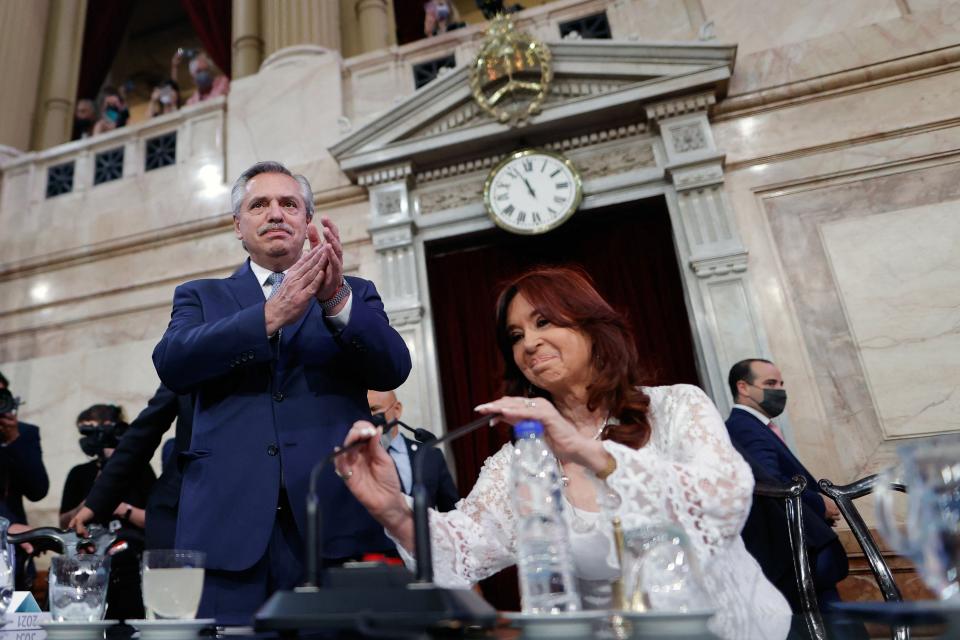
x=757 y=389
x=441 y=490
x=22 y=474
x=278 y=358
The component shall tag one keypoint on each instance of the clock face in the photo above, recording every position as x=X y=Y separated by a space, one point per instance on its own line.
x=532 y=191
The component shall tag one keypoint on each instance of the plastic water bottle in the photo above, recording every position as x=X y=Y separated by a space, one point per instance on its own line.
x=544 y=559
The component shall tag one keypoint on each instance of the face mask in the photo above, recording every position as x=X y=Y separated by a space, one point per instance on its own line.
x=112 y=114
x=774 y=401
x=204 y=80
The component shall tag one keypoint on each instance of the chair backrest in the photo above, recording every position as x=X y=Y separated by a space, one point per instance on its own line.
x=790 y=494
x=844 y=495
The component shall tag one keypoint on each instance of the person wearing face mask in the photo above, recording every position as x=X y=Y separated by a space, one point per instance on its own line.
x=208 y=83
x=113 y=111
x=84 y=118
x=759 y=396
x=101 y=427
x=442 y=493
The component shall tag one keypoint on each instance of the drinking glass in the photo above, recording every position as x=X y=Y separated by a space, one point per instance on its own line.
x=6 y=568
x=929 y=534
x=660 y=572
x=78 y=588
x=172 y=583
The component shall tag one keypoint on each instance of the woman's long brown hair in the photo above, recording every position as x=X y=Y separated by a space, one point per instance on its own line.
x=567 y=298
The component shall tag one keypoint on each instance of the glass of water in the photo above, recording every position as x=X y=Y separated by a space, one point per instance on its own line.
x=78 y=588
x=172 y=583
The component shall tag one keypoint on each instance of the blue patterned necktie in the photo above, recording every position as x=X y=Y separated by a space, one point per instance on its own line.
x=274 y=280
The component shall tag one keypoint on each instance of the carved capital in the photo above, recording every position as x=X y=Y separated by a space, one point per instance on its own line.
x=392 y=236
x=720 y=265
x=403 y=315
x=698 y=175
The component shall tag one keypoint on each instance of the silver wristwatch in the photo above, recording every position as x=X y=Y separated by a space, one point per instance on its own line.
x=342 y=292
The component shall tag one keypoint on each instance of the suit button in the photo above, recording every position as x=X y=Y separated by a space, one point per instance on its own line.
x=278 y=396
x=272 y=450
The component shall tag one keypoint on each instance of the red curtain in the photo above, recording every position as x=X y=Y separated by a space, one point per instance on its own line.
x=629 y=252
x=212 y=20
x=103 y=30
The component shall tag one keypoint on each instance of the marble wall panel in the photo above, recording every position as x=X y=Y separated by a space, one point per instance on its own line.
x=288 y=112
x=795 y=217
x=923 y=101
x=898 y=275
x=819 y=46
x=774 y=23
x=56 y=388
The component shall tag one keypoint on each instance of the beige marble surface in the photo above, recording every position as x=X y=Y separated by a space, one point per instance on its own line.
x=841 y=120
x=898 y=275
x=57 y=388
x=757 y=26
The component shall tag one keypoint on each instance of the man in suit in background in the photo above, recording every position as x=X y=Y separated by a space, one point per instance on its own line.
x=22 y=474
x=441 y=490
x=278 y=358
x=136 y=447
x=757 y=389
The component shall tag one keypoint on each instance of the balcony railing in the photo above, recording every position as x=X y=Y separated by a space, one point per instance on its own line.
x=139 y=178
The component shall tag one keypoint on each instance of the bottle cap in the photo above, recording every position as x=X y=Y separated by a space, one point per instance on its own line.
x=528 y=428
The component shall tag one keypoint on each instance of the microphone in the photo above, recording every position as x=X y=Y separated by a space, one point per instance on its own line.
x=420 y=435
x=368 y=596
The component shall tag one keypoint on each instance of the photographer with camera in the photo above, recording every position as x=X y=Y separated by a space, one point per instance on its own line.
x=22 y=474
x=113 y=111
x=165 y=98
x=101 y=427
x=208 y=84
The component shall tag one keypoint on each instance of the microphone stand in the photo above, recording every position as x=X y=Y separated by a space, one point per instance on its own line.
x=371 y=597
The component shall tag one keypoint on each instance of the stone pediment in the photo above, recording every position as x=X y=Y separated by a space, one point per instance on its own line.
x=596 y=83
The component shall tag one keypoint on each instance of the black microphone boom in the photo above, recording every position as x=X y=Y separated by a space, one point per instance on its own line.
x=376 y=597
x=420 y=435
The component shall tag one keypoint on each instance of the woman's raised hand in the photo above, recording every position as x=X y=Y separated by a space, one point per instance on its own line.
x=562 y=436
x=369 y=473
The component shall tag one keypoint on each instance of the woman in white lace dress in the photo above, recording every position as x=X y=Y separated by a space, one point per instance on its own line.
x=571 y=363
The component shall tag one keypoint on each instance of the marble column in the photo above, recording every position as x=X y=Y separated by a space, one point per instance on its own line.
x=373 y=23
x=61 y=67
x=247 y=43
x=22 y=28
x=293 y=22
x=402 y=284
x=710 y=247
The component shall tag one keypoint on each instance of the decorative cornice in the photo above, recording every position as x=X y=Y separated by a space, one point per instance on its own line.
x=680 y=105
x=720 y=265
x=566 y=144
x=380 y=175
x=841 y=82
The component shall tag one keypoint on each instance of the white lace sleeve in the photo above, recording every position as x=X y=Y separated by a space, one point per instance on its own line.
x=688 y=474
x=476 y=539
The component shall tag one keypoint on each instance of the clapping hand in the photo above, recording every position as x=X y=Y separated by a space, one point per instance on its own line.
x=299 y=286
x=333 y=274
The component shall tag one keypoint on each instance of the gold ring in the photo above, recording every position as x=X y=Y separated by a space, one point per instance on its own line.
x=530 y=403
